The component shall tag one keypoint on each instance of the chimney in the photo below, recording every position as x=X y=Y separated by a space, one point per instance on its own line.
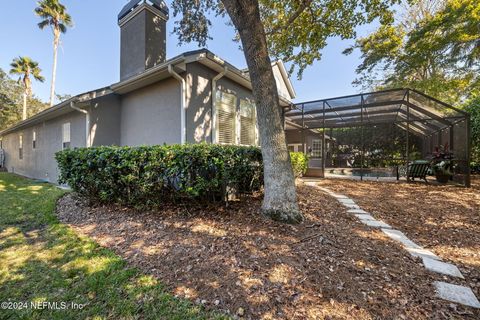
x=143 y=36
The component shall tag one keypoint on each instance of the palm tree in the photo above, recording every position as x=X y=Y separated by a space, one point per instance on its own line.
x=26 y=67
x=55 y=15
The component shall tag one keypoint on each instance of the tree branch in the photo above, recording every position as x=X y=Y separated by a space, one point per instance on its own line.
x=304 y=5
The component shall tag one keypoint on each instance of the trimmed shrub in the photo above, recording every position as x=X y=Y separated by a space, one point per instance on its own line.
x=147 y=176
x=299 y=163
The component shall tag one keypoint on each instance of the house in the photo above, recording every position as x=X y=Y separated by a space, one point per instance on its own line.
x=191 y=98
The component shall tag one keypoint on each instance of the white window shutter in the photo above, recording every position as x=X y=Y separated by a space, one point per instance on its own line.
x=247 y=123
x=226 y=118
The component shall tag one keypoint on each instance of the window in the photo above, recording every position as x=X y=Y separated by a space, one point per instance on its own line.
x=66 y=135
x=235 y=125
x=226 y=105
x=34 y=140
x=316 y=148
x=20 y=147
x=247 y=123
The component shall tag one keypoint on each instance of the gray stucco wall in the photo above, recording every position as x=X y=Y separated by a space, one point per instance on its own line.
x=143 y=43
x=151 y=115
x=199 y=100
x=40 y=163
x=105 y=116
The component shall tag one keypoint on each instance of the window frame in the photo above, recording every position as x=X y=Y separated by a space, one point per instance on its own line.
x=34 y=139
x=237 y=115
x=20 y=146
x=66 y=143
x=218 y=105
x=314 y=154
x=255 y=126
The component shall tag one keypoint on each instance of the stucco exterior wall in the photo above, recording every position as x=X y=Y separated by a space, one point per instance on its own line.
x=151 y=115
x=143 y=43
x=39 y=163
x=281 y=87
x=199 y=120
x=105 y=121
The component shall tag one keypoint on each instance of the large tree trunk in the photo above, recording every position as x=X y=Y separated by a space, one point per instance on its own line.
x=56 y=39
x=280 y=202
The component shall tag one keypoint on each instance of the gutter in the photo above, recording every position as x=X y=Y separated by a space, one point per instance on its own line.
x=87 y=123
x=183 y=110
x=214 y=101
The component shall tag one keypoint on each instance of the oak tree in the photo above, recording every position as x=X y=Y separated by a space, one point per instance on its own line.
x=292 y=30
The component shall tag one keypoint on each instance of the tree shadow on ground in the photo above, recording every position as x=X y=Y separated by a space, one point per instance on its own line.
x=234 y=260
x=444 y=219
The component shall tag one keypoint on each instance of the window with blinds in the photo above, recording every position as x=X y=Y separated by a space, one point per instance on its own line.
x=247 y=123
x=226 y=106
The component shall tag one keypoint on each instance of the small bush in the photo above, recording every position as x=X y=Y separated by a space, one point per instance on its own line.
x=149 y=175
x=299 y=163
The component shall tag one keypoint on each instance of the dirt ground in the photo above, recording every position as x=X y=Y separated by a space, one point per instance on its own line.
x=329 y=267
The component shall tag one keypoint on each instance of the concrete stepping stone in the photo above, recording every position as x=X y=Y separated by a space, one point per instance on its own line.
x=422 y=253
x=357 y=211
x=455 y=293
x=346 y=201
x=401 y=237
x=365 y=217
x=312 y=184
x=442 y=267
x=338 y=196
x=375 y=223
x=351 y=206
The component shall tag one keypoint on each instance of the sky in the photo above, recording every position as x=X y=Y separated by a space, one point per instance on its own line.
x=89 y=55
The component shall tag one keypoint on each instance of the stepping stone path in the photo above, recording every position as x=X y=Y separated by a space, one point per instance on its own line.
x=455 y=293
x=451 y=292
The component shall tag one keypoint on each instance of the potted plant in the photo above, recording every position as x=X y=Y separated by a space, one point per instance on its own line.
x=442 y=163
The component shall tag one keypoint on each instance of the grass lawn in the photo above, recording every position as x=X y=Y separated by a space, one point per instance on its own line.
x=42 y=260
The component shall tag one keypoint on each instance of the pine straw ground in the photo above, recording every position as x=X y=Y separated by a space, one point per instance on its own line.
x=330 y=267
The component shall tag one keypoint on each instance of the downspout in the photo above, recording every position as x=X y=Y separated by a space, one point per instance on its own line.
x=87 y=123
x=183 y=110
x=214 y=100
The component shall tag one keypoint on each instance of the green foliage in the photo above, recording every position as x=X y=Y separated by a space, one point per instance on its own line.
x=148 y=176
x=299 y=163
x=42 y=259
x=296 y=31
x=473 y=107
x=439 y=53
x=53 y=14
x=26 y=67
x=11 y=93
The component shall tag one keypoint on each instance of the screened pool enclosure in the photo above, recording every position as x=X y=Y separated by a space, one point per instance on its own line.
x=377 y=134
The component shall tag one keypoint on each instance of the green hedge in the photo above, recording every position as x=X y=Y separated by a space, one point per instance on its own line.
x=299 y=163
x=147 y=176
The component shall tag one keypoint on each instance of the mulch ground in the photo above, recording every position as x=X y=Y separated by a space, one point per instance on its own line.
x=442 y=218
x=329 y=267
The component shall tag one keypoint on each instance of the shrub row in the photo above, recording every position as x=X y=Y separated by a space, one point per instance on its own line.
x=147 y=176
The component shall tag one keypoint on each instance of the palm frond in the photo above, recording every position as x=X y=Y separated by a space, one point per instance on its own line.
x=53 y=13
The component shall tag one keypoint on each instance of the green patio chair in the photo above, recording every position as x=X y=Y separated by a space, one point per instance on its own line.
x=416 y=169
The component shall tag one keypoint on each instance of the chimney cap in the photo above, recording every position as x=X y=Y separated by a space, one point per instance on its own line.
x=158 y=4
